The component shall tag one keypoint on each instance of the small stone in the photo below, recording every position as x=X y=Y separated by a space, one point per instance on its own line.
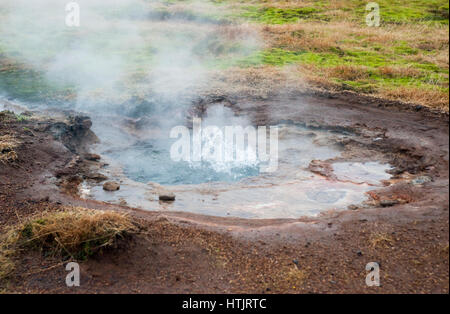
x=92 y=157
x=353 y=207
x=295 y=261
x=388 y=203
x=98 y=177
x=111 y=186
x=418 y=107
x=162 y=219
x=359 y=253
x=167 y=197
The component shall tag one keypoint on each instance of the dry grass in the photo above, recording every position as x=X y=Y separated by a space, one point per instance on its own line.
x=72 y=232
x=7 y=145
x=402 y=48
x=381 y=240
x=294 y=276
x=317 y=36
x=397 y=71
x=259 y=82
x=431 y=97
x=349 y=72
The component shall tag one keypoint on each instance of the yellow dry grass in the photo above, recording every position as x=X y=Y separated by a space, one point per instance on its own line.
x=431 y=97
x=294 y=277
x=348 y=72
x=72 y=232
x=7 y=145
x=381 y=240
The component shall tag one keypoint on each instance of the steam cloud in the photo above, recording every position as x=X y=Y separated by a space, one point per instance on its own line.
x=124 y=49
x=141 y=60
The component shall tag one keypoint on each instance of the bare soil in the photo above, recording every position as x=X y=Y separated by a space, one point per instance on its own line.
x=188 y=253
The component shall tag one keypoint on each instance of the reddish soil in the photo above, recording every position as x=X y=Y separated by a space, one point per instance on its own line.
x=188 y=253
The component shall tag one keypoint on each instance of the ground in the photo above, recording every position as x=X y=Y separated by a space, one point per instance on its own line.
x=181 y=252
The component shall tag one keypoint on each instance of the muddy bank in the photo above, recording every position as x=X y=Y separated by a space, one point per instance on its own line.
x=405 y=229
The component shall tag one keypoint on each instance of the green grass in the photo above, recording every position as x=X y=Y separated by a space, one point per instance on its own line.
x=408 y=11
x=271 y=15
x=391 y=11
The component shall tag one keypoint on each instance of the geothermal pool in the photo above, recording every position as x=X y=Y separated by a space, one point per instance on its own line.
x=139 y=159
x=141 y=162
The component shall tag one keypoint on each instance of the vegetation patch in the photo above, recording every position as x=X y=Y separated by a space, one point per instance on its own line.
x=273 y=15
x=74 y=232
x=21 y=82
x=7 y=145
x=404 y=11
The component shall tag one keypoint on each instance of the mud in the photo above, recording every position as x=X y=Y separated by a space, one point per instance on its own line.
x=403 y=226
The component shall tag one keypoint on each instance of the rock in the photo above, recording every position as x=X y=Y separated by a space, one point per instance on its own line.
x=418 y=108
x=98 y=177
x=359 y=253
x=167 y=197
x=92 y=157
x=111 y=186
x=295 y=262
x=322 y=168
x=74 y=132
x=388 y=203
x=352 y=207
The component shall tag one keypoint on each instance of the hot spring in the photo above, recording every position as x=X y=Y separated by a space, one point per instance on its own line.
x=141 y=161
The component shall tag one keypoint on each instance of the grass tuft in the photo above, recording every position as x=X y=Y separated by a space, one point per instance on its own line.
x=381 y=240
x=7 y=145
x=72 y=232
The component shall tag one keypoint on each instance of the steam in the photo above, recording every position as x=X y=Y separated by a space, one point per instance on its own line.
x=131 y=62
x=123 y=49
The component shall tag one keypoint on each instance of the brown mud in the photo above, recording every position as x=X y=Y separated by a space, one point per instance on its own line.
x=405 y=228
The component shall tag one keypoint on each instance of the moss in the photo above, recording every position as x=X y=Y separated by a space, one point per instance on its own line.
x=272 y=15
x=408 y=11
x=405 y=50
